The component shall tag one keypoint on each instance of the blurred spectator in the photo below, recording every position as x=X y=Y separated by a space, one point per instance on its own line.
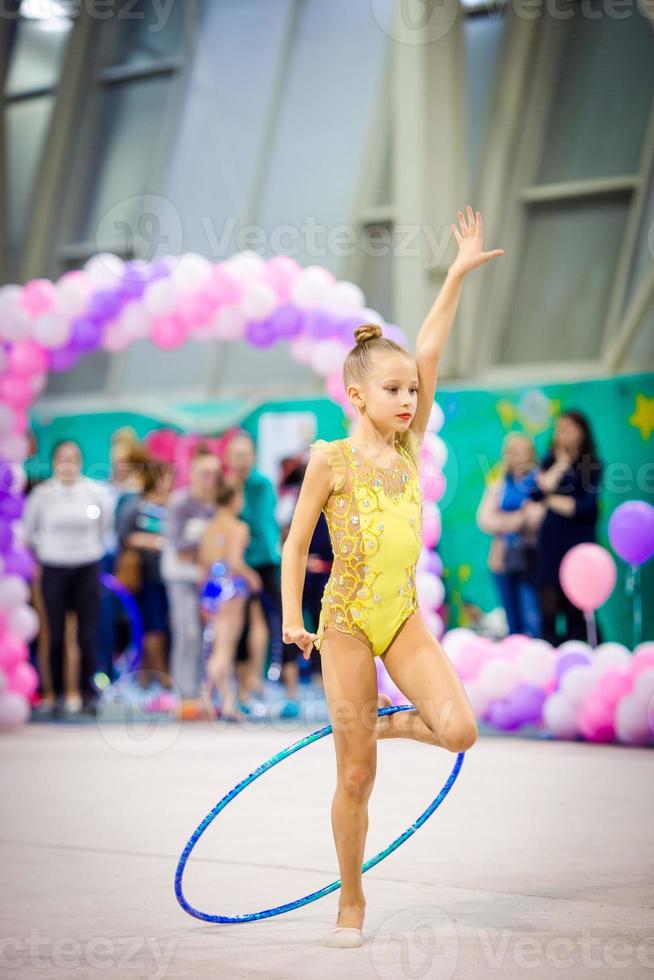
x=140 y=529
x=225 y=540
x=511 y=557
x=566 y=504
x=65 y=522
x=187 y=514
x=319 y=563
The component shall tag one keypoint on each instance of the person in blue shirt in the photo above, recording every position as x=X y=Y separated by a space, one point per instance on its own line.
x=502 y=513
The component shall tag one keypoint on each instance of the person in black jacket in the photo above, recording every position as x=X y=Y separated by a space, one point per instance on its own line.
x=567 y=498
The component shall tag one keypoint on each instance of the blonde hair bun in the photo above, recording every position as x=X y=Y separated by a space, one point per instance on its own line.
x=367 y=331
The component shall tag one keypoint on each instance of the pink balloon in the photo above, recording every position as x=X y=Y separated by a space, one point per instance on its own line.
x=26 y=357
x=431 y=530
x=643 y=660
x=38 y=296
x=596 y=720
x=14 y=710
x=468 y=660
x=281 y=272
x=588 y=576
x=168 y=332
x=23 y=679
x=615 y=684
x=16 y=391
x=222 y=288
x=12 y=651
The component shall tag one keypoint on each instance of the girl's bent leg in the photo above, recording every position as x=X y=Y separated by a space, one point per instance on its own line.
x=423 y=672
x=350 y=683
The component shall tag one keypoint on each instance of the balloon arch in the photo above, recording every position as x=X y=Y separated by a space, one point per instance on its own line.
x=47 y=326
x=574 y=691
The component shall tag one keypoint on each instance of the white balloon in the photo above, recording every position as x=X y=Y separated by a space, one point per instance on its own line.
x=327 y=356
x=23 y=621
x=436 y=418
x=536 y=663
x=72 y=297
x=431 y=590
x=135 y=321
x=51 y=330
x=560 y=716
x=160 y=297
x=608 y=655
x=344 y=298
x=13 y=592
x=258 y=301
x=312 y=287
x=477 y=698
x=7 y=419
x=436 y=448
x=497 y=678
x=228 y=324
x=644 y=687
x=372 y=316
x=577 y=682
x=191 y=272
x=632 y=721
x=576 y=646
x=456 y=638
x=104 y=270
x=14 y=447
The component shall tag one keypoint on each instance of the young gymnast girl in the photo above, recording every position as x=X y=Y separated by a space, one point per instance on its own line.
x=369 y=489
x=221 y=561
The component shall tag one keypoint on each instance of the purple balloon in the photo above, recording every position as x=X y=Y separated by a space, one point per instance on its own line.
x=569 y=659
x=63 y=359
x=395 y=333
x=104 y=305
x=7 y=476
x=526 y=703
x=286 y=322
x=20 y=561
x=347 y=326
x=500 y=715
x=11 y=506
x=86 y=334
x=434 y=564
x=631 y=531
x=6 y=536
x=259 y=334
x=319 y=324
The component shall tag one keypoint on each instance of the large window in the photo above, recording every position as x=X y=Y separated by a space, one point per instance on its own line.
x=40 y=37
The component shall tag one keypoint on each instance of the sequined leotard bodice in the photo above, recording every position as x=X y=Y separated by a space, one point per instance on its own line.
x=374 y=515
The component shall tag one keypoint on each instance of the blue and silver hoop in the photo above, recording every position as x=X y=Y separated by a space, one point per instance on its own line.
x=322 y=892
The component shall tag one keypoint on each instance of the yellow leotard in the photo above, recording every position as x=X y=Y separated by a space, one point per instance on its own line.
x=374 y=516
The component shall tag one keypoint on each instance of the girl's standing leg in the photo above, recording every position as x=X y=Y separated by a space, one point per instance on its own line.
x=350 y=681
x=549 y=608
x=423 y=672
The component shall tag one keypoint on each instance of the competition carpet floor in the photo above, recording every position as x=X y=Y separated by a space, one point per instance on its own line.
x=539 y=863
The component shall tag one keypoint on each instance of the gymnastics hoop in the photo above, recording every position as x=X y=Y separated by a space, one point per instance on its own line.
x=313 y=896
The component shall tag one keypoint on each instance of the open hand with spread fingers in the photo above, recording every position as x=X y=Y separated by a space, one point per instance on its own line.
x=470 y=241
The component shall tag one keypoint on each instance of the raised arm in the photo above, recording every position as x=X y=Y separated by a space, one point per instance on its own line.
x=316 y=487
x=435 y=330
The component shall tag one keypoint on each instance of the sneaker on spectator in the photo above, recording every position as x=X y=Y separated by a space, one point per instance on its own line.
x=290 y=709
x=72 y=705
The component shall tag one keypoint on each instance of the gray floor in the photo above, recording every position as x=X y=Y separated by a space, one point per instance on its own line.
x=538 y=864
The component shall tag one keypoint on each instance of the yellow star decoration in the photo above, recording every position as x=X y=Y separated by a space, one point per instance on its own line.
x=643 y=417
x=507 y=412
x=493 y=474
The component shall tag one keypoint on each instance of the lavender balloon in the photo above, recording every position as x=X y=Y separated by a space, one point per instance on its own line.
x=286 y=322
x=631 y=531
x=526 y=703
x=567 y=661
